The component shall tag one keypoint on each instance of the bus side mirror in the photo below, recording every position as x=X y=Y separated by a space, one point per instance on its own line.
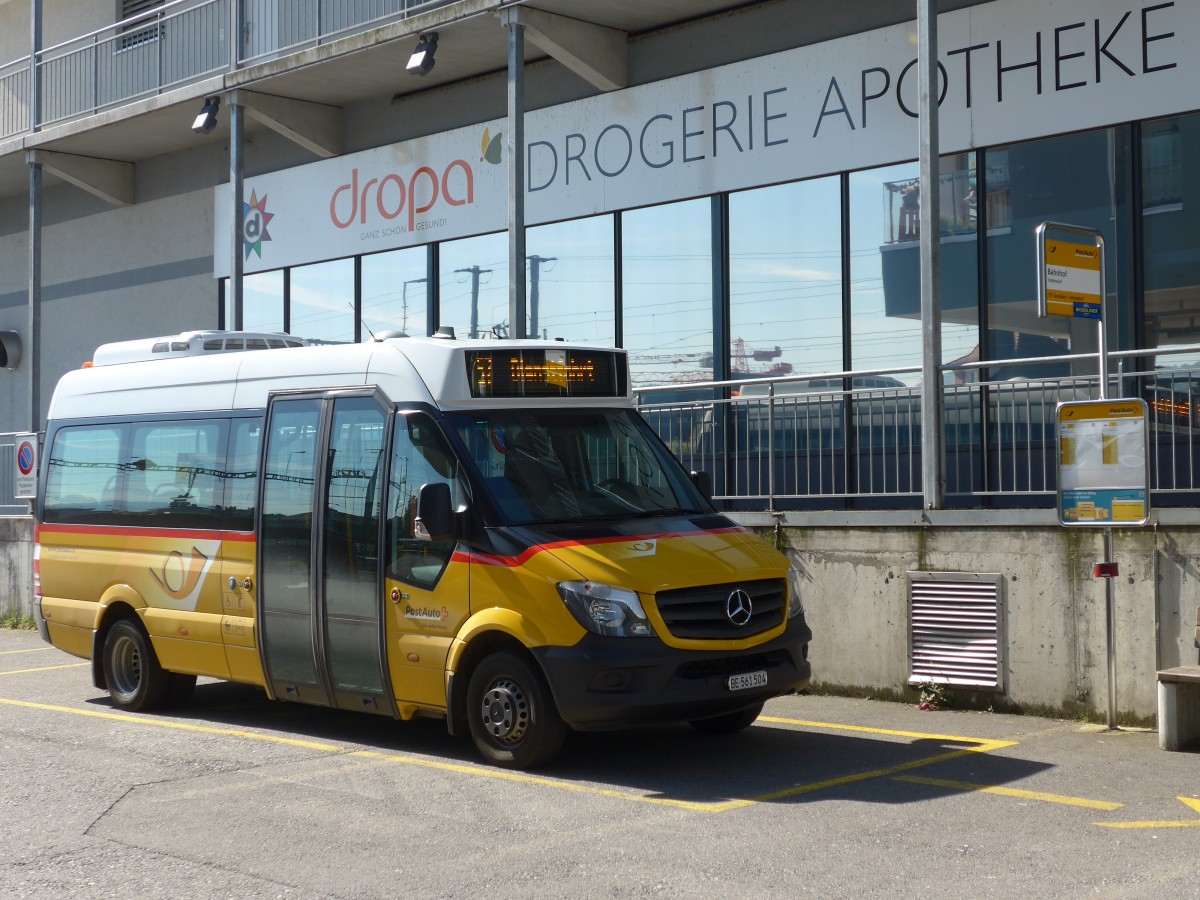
x=435 y=515
x=703 y=481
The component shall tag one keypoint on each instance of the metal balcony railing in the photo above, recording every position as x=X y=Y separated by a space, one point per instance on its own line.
x=855 y=435
x=273 y=29
x=163 y=48
x=173 y=45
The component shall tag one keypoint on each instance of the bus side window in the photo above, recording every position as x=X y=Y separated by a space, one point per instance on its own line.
x=171 y=472
x=419 y=456
x=82 y=475
x=241 y=474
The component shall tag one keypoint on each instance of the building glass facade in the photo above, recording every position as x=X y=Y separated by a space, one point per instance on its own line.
x=790 y=309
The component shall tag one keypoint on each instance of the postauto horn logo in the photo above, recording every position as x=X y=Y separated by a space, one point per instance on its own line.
x=254 y=224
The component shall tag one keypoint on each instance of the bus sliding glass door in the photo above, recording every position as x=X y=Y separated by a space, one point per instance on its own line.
x=319 y=536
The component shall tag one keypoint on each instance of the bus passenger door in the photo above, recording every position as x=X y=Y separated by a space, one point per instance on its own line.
x=320 y=622
x=427 y=591
x=349 y=599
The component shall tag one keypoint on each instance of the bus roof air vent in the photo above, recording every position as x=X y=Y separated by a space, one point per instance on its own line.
x=191 y=343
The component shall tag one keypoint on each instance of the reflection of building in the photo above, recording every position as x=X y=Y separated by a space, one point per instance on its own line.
x=653 y=150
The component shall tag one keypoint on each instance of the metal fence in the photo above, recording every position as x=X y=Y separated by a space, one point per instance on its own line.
x=163 y=48
x=273 y=29
x=844 y=435
x=14 y=98
x=173 y=45
x=857 y=435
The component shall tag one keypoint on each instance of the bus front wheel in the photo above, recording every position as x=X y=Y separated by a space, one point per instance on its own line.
x=136 y=682
x=512 y=716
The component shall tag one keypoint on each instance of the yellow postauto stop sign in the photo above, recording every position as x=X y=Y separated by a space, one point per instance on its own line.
x=1072 y=279
x=1103 y=473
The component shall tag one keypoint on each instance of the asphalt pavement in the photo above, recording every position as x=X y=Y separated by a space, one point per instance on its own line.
x=236 y=796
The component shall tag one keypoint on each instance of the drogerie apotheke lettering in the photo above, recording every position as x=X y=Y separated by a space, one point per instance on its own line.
x=690 y=135
x=1076 y=54
x=1007 y=71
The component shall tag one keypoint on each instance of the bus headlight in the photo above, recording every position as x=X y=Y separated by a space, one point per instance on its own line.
x=604 y=609
x=795 y=605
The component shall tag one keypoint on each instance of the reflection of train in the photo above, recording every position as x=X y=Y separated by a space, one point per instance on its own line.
x=861 y=435
x=880 y=412
x=1172 y=398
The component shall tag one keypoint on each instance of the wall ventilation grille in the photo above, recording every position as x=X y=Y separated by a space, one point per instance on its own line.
x=955 y=629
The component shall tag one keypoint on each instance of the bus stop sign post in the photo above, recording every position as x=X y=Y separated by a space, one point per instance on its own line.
x=1103 y=471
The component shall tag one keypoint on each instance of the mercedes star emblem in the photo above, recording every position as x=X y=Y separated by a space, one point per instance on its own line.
x=739 y=607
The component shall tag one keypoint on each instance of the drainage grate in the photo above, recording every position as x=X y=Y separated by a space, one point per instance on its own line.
x=955 y=628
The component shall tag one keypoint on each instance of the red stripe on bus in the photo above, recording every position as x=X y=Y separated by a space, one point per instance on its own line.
x=195 y=534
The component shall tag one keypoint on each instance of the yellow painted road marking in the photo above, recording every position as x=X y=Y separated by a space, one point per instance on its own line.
x=179 y=726
x=1013 y=792
x=31 y=650
x=922 y=735
x=980 y=746
x=45 y=669
x=1183 y=823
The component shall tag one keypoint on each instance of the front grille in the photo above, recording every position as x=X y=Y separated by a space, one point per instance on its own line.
x=702 y=612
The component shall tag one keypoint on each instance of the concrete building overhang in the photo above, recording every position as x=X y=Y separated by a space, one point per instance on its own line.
x=583 y=36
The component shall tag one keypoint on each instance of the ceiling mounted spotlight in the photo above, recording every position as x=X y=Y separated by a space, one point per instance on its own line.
x=207 y=120
x=421 y=61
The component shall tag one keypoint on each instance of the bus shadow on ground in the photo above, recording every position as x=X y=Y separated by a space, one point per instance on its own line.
x=767 y=762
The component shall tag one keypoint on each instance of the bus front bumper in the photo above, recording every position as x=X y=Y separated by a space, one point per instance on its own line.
x=603 y=683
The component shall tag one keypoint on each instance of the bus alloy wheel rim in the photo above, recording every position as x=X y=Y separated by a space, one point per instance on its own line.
x=505 y=711
x=128 y=670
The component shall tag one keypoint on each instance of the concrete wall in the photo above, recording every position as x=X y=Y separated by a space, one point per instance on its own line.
x=107 y=274
x=1054 y=643
x=62 y=20
x=16 y=566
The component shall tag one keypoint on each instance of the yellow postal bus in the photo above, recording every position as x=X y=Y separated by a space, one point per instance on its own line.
x=485 y=531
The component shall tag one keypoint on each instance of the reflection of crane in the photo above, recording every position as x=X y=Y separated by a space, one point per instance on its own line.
x=693 y=367
x=742 y=361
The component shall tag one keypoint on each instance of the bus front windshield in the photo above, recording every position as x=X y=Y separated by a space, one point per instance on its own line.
x=564 y=466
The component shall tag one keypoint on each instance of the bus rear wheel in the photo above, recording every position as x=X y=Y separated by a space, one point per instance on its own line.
x=512 y=716
x=136 y=682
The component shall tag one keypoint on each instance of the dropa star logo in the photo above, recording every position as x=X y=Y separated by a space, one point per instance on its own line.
x=254 y=224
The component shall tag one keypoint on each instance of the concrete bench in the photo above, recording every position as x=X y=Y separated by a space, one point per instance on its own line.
x=1179 y=704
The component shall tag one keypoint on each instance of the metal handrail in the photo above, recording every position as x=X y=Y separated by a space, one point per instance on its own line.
x=839 y=441
x=111 y=66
